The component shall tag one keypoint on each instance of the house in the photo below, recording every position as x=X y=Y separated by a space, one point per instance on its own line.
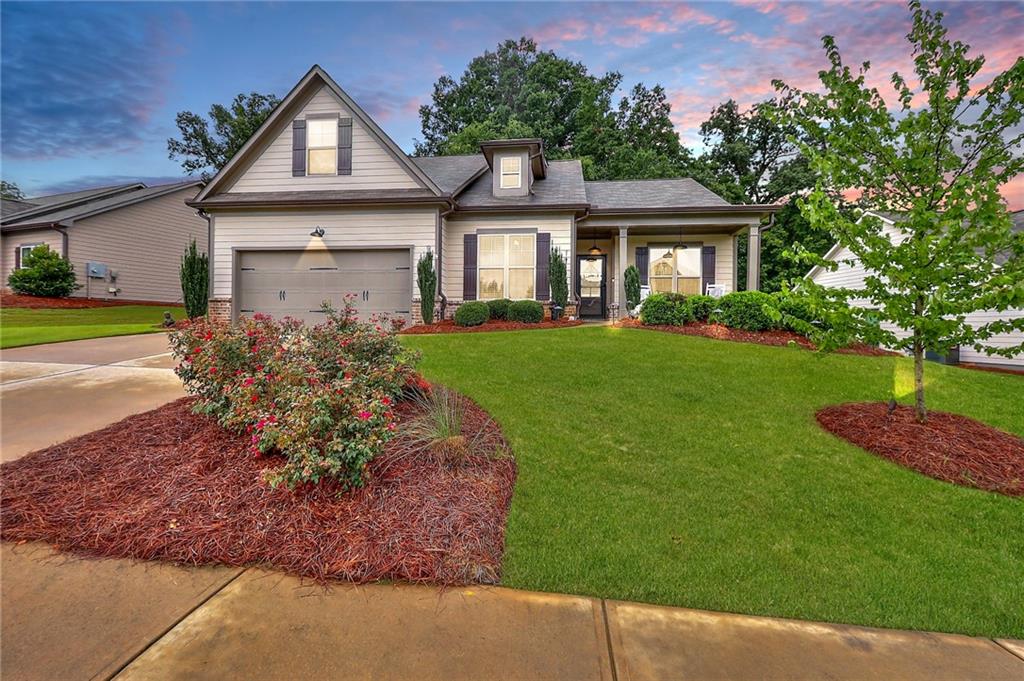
x=850 y=274
x=320 y=202
x=124 y=241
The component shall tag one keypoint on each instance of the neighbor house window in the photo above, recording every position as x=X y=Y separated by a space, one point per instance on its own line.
x=24 y=250
x=507 y=266
x=322 y=146
x=675 y=270
x=511 y=172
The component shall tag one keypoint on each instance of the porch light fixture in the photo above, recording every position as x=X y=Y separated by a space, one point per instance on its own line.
x=318 y=231
x=679 y=246
x=595 y=249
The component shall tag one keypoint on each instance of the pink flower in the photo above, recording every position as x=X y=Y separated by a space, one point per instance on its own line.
x=386 y=402
x=249 y=381
x=197 y=351
x=391 y=426
x=365 y=415
x=213 y=370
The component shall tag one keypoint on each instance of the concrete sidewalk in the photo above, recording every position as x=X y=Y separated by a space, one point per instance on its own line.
x=51 y=393
x=95 y=619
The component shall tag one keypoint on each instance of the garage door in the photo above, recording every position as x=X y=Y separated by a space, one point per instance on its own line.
x=294 y=283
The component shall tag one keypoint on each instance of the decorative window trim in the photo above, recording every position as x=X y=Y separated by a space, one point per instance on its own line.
x=506 y=267
x=21 y=253
x=332 y=120
x=514 y=177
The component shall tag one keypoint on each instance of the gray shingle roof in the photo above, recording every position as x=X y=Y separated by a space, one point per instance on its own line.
x=450 y=172
x=12 y=206
x=681 y=192
x=65 y=197
x=82 y=209
x=563 y=186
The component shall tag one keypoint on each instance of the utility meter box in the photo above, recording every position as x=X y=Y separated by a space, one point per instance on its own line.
x=96 y=270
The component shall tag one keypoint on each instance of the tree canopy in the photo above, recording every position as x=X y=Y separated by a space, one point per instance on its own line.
x=206 y=149
x=9 y=190
x=936 y=161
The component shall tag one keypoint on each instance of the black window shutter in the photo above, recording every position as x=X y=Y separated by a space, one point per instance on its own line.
x=344 y=146
x=298 y=148
x=707 y=268
x=641 y=263
x=469 y=267
x=542 y=285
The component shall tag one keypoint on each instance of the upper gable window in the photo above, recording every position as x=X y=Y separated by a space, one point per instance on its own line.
x=322 y=146
x=511 y=172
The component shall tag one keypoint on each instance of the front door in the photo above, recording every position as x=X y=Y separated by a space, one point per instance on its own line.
x=591 y=284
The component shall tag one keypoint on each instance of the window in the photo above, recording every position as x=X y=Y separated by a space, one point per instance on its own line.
x=506 y=266
x=24 y=250
x=322 y=146
x=511 y=172
x=674 y=270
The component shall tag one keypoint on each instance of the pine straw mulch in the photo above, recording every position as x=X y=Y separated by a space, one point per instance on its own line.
x=946 y=447
x=775 y=337
x=44 y=303
x=448 y=326
x=172 y=485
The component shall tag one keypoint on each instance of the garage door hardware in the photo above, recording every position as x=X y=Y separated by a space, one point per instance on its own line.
x=282 y=295
x=403 y=268
x=322 y=269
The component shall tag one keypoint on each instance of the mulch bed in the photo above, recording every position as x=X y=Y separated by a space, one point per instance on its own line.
x=946 y=447
x=42 y=303
x=775 y=337
x=172 y=485
x=448 y=326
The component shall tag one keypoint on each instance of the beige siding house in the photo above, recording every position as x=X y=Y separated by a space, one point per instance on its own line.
x=320 y=203
x=125 y=242
x=850 y=274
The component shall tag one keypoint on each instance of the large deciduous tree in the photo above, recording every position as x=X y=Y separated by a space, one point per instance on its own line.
x=9 y=190
x=206 y=149
x=936 y=160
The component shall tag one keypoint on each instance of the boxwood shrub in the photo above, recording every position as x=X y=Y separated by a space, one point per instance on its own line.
x=529 y=311
x=699 y=308
x=664 y=309
x=745 y=310
x=473 y=313
x=499 y=308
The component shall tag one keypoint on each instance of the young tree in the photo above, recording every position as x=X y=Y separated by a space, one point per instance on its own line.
x=937 y=162
x=9 y=190
x=195 y=281
x=206 y=150
x=43 y=273
x=426 y=278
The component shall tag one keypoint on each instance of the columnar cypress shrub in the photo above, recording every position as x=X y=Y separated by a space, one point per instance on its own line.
x=558 y=278
x=426 y=277
x=631 y=278
x=195 y=281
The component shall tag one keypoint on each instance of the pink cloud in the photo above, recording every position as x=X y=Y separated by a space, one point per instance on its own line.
x=1013 y=192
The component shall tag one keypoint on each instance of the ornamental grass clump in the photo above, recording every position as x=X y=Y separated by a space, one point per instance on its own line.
x=321 y=397
x=439 y=428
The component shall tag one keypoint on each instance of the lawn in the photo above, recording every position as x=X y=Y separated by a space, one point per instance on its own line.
x=20 y=326
x=687 y=471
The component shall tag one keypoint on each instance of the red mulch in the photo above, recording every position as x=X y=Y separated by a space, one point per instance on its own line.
x=42 y=303
x=448 y=326
x=172 y=485
x=775 y=337
x=995 y=370
x=946 y=447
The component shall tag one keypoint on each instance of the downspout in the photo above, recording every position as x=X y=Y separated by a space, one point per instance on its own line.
x=439 y=249
x=209 y=251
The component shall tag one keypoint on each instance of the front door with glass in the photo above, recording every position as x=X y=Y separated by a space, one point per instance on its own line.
x=591 y=284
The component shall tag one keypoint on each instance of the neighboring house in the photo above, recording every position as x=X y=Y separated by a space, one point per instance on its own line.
x=851 y=276
x=320 y=203
x=124 y=241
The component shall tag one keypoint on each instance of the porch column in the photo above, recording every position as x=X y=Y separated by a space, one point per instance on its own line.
x=754 y=258
x=620 y=272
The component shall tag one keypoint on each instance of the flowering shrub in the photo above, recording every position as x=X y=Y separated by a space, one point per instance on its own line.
x=320 y=396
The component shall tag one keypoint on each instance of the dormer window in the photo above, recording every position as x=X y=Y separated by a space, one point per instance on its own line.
x=322 y=146
x=511 y=172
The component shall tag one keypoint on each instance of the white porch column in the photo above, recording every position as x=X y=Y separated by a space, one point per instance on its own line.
x=754 y=258
x=620 y=271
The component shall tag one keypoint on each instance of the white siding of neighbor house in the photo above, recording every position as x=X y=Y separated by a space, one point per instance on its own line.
x=351 y=228
x=852 y=276
x=372 y=166
x=559 y=226
x=143 y=243
x=12 y=240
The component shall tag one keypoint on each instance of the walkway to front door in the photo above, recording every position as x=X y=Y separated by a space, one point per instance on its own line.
x=591 y=285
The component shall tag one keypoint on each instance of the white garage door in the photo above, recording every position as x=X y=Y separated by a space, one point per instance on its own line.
x=295 y=283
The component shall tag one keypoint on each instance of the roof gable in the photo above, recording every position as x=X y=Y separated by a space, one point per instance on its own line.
x=315 y=83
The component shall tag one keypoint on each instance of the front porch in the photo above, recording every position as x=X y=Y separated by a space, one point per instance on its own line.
x=688 y=254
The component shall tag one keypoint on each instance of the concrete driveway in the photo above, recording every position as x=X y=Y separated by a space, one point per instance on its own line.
x=50 y=393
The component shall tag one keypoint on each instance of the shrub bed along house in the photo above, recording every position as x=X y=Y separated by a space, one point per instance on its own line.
x=498 y=309
x=320 y=396
x=526 y=311
x=473 y=313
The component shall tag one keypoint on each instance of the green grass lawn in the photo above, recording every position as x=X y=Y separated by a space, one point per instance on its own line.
x=20 y=326
x=691 y=472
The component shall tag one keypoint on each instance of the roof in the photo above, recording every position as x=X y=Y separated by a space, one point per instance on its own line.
x=534 y=145
x=451 y=173
x=562 y=188
x=11 y=206
x=89 y=203
x=42 y=204
x=683 y=192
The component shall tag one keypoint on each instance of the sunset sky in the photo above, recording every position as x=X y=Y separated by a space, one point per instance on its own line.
x=90 y=90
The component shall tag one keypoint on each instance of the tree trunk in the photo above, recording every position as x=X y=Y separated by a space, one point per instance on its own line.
x=919 y=409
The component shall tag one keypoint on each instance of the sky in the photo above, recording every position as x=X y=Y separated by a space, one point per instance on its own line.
x=89 y=91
